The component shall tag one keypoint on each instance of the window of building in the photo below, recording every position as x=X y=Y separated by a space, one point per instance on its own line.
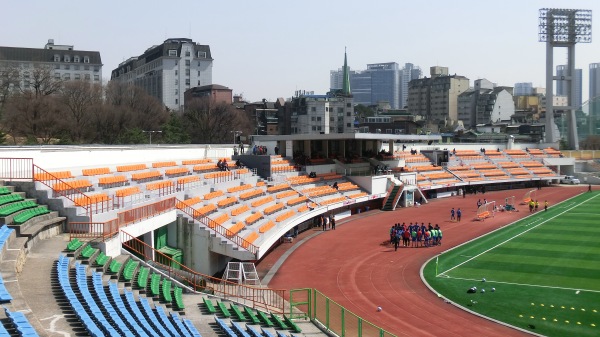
x=187 y=72
x=332 y=119
x=201 y=54
x=176 y=101
x=176 y=91
x=172 y=52
x=341 y=110
x=86 y=76
x=313 y=109
x=348 y=113
x=57 y=76
x=348 y=125
x=176 y=72
x=176 y=82
x=86 y=67
x=314 y=128
x=67 y=67
x=76 y=67
x=57 y=66
x=348 y=105
x=56 y=58
x=318 y=119
x=198 y=82
x=318 y=128
x=96 y=77
x=67 y=58
x=187 y=81
x=76 y=59
x=66 y=77
x=187 y=53
x=96 y=68
x=77 y=76
x=188 y=63
x=313 y=118
x=198 y=73
x=86 y=59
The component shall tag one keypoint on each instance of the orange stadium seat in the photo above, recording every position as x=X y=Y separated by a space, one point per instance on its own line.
x=95 y=171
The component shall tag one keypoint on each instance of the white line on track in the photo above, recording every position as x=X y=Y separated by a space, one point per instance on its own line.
x=522 y=284
x=523 y=232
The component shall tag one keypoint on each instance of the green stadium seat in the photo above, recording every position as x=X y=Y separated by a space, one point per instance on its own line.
x=252 y=316
x=74 y=244
x=130 y=267
x=280 y=323
x=166 y=291
x=291 y=323
x=16 y=207
x=6 y=199
x=88 y=251
x=155 y=285
x=142 y=277
x=265 y=319
x=224 y=309
x=101 y=259
x=178 y=294
x=114 y=266
x=237 y=312
x=4 y=190
x=28 y=214
x=209 y=306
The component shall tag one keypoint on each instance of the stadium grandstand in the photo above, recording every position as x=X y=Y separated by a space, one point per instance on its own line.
x=137 y=234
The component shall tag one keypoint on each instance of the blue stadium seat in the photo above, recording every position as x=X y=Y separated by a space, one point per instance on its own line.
x=179 y=324
x=4 y=234
x=80 y=312
x=224 y=327
x=108 y=307
x=191 y=327
x=134 y=320
x=267 y=333
x=136 y=311
x=281 y=334
x=21 y=323
x=240 y=331
x=253 y=332
x=4 y=294
x=151 y=316
x=162 y=316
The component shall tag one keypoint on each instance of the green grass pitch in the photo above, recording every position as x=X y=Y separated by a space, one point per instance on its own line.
x=545 y=270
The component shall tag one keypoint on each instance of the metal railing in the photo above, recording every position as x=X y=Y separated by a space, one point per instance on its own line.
x=312 y=304
x=93 y=230
x=214 y=226
x=271 y=300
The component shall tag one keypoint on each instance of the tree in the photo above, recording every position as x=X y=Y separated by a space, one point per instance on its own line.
x=35 y=118
x=362 y=111
x=210 y=122
x=79 y=97
x=173 y=131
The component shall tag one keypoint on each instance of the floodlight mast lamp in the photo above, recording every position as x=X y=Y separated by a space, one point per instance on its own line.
x=563 y=28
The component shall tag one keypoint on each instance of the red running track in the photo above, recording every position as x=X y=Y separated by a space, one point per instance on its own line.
x=352 y=266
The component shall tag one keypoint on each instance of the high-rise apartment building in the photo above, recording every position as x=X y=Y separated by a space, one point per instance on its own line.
x=594 y=99
x=408 y=73
x=166 y=71
x=436 y=98
x=63 y=61
x=562 y=88
x=380 y=82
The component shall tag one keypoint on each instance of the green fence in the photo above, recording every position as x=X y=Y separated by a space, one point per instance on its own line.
x=311 y=303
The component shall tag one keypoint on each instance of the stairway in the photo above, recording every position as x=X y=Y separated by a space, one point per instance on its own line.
x=391 y=200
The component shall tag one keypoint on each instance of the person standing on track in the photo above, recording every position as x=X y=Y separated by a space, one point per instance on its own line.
x=452 y=217
x=439 y=230
x=458 y=214
x=545 y=205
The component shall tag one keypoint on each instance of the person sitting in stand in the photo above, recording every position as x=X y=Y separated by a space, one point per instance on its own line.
x=335 y=185
x=238 y=164
x=220 y=165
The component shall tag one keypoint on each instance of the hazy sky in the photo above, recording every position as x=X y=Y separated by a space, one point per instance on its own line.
x=269 y=49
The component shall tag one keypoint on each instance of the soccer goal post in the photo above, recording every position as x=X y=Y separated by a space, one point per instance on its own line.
x=486 y=210
x=528 y=196
x=509 y=204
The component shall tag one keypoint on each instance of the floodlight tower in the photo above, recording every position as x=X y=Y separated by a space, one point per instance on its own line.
x=563 y=28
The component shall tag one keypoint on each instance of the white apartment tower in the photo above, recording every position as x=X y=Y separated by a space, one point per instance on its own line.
x=166 y=71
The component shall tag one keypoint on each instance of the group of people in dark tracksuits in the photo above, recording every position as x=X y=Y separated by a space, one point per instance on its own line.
x=415 y=235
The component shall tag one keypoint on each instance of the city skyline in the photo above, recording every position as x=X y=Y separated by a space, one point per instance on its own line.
x=271 y=49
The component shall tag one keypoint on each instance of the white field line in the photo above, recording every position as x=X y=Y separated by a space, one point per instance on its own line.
x=523 y=232
x=576 y=213
x=522 y=284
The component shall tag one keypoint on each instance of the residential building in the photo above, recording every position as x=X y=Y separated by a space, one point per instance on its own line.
x=485 y=103
x=216 y=93
x=166 y=71
x=408 y=73
x=324 y=114
x=63 y=61
x=436 y=98
x=562 y=88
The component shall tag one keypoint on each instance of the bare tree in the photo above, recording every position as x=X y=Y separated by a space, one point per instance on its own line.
x=35 y=118
x=79 y=97
x=211 y=122
x=43 y=82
